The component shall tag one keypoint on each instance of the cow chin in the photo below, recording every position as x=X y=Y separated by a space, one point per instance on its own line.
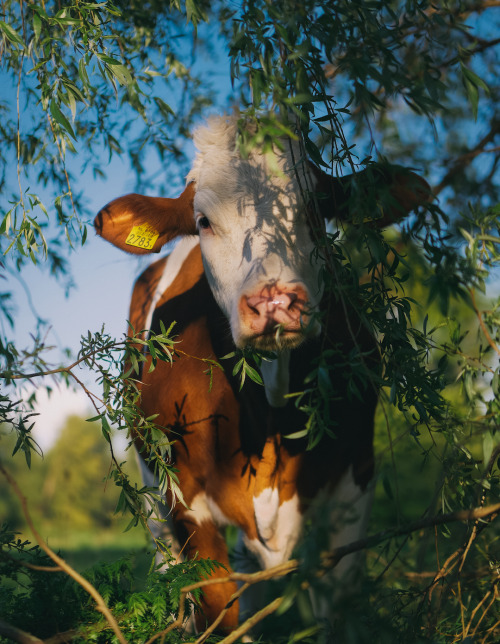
x=276 y=342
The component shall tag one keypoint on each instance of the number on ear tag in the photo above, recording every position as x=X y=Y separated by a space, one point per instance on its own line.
x=143 y=236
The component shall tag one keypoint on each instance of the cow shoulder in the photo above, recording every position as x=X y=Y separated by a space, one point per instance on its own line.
x=162 y=280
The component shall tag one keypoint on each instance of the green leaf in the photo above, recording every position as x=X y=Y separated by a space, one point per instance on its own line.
x=300 y=434
x=237 y=367
x=82 y=73
x=164 y=108
x=472 y=83
x=253 y=374
x=37 y=26
x=106 y=429
x=488 y=446
x=308 y=632
x=121 y=73
x=60 y=118
x=108 y=60
x=11 y=34
x=5 y=225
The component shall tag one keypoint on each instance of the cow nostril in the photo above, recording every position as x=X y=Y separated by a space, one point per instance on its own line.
x=293 y=298
x=252 y=305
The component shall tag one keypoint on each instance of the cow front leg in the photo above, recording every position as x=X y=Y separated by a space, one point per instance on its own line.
x=202 y=540
x=348 y=521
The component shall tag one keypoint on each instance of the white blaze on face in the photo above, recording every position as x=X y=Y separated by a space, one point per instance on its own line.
x=255 y=240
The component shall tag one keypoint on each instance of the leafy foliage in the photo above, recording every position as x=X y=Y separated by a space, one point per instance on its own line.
x=87 y=82
x=34 y=600
x=43 y=602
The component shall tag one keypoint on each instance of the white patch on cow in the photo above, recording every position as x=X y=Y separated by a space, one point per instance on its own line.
x=348 y=522
x=257 y=214
x=199 y=508
x=219 y=518
x=172 y=267
x=351 y=512
x=205 y=508
x=266 y=507
x=276 y=376
x=279 y=527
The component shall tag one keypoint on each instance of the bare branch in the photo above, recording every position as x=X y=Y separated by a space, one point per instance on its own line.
x=17 y=635
x=468 y=157
x=484 y=329
x=251 y=621
x=25 y=564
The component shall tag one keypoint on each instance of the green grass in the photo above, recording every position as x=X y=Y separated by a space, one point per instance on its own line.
x=84 y=549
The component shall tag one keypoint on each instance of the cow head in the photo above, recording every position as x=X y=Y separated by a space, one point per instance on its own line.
x=256 y=232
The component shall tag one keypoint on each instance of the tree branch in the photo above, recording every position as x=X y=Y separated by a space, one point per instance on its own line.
x=25 y=564
x=271 y=608
x=466 y=159
x=17 y=635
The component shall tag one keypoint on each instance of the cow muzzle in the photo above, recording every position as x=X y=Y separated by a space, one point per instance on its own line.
x=274 y=316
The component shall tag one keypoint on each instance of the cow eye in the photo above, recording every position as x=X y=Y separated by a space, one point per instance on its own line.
x=203 y=223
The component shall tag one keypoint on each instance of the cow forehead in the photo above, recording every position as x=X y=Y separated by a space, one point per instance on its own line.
x=265 y=183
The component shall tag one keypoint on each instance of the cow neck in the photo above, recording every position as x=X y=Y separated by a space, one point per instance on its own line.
x=276 y=377
x=172 y=267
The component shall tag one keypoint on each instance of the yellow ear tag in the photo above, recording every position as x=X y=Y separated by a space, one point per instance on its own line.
x=143 y=236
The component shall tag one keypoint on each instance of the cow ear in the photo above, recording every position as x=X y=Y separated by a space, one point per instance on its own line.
x=141 y=225
x=382 y=194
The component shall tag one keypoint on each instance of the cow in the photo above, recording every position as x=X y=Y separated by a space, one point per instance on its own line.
x=248 y=273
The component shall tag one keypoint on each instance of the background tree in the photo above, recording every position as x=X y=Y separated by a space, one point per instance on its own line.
x=417 y=82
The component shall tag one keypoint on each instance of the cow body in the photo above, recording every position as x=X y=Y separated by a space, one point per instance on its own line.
x=250 y=278
x=235 y=463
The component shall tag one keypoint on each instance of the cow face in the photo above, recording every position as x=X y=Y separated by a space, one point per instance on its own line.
x=255 y=239
x=255 y=236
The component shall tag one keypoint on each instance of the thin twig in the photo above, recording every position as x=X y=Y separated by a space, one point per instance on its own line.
x=236 y=595
x=19 y=135
x=50 y=372
x=251 y=621
x=466 y=159
x=25 y=564
x=484 y=329
x=474 y=612
x=446 y=568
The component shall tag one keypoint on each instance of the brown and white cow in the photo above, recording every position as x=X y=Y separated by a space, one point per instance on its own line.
x=246 y=273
